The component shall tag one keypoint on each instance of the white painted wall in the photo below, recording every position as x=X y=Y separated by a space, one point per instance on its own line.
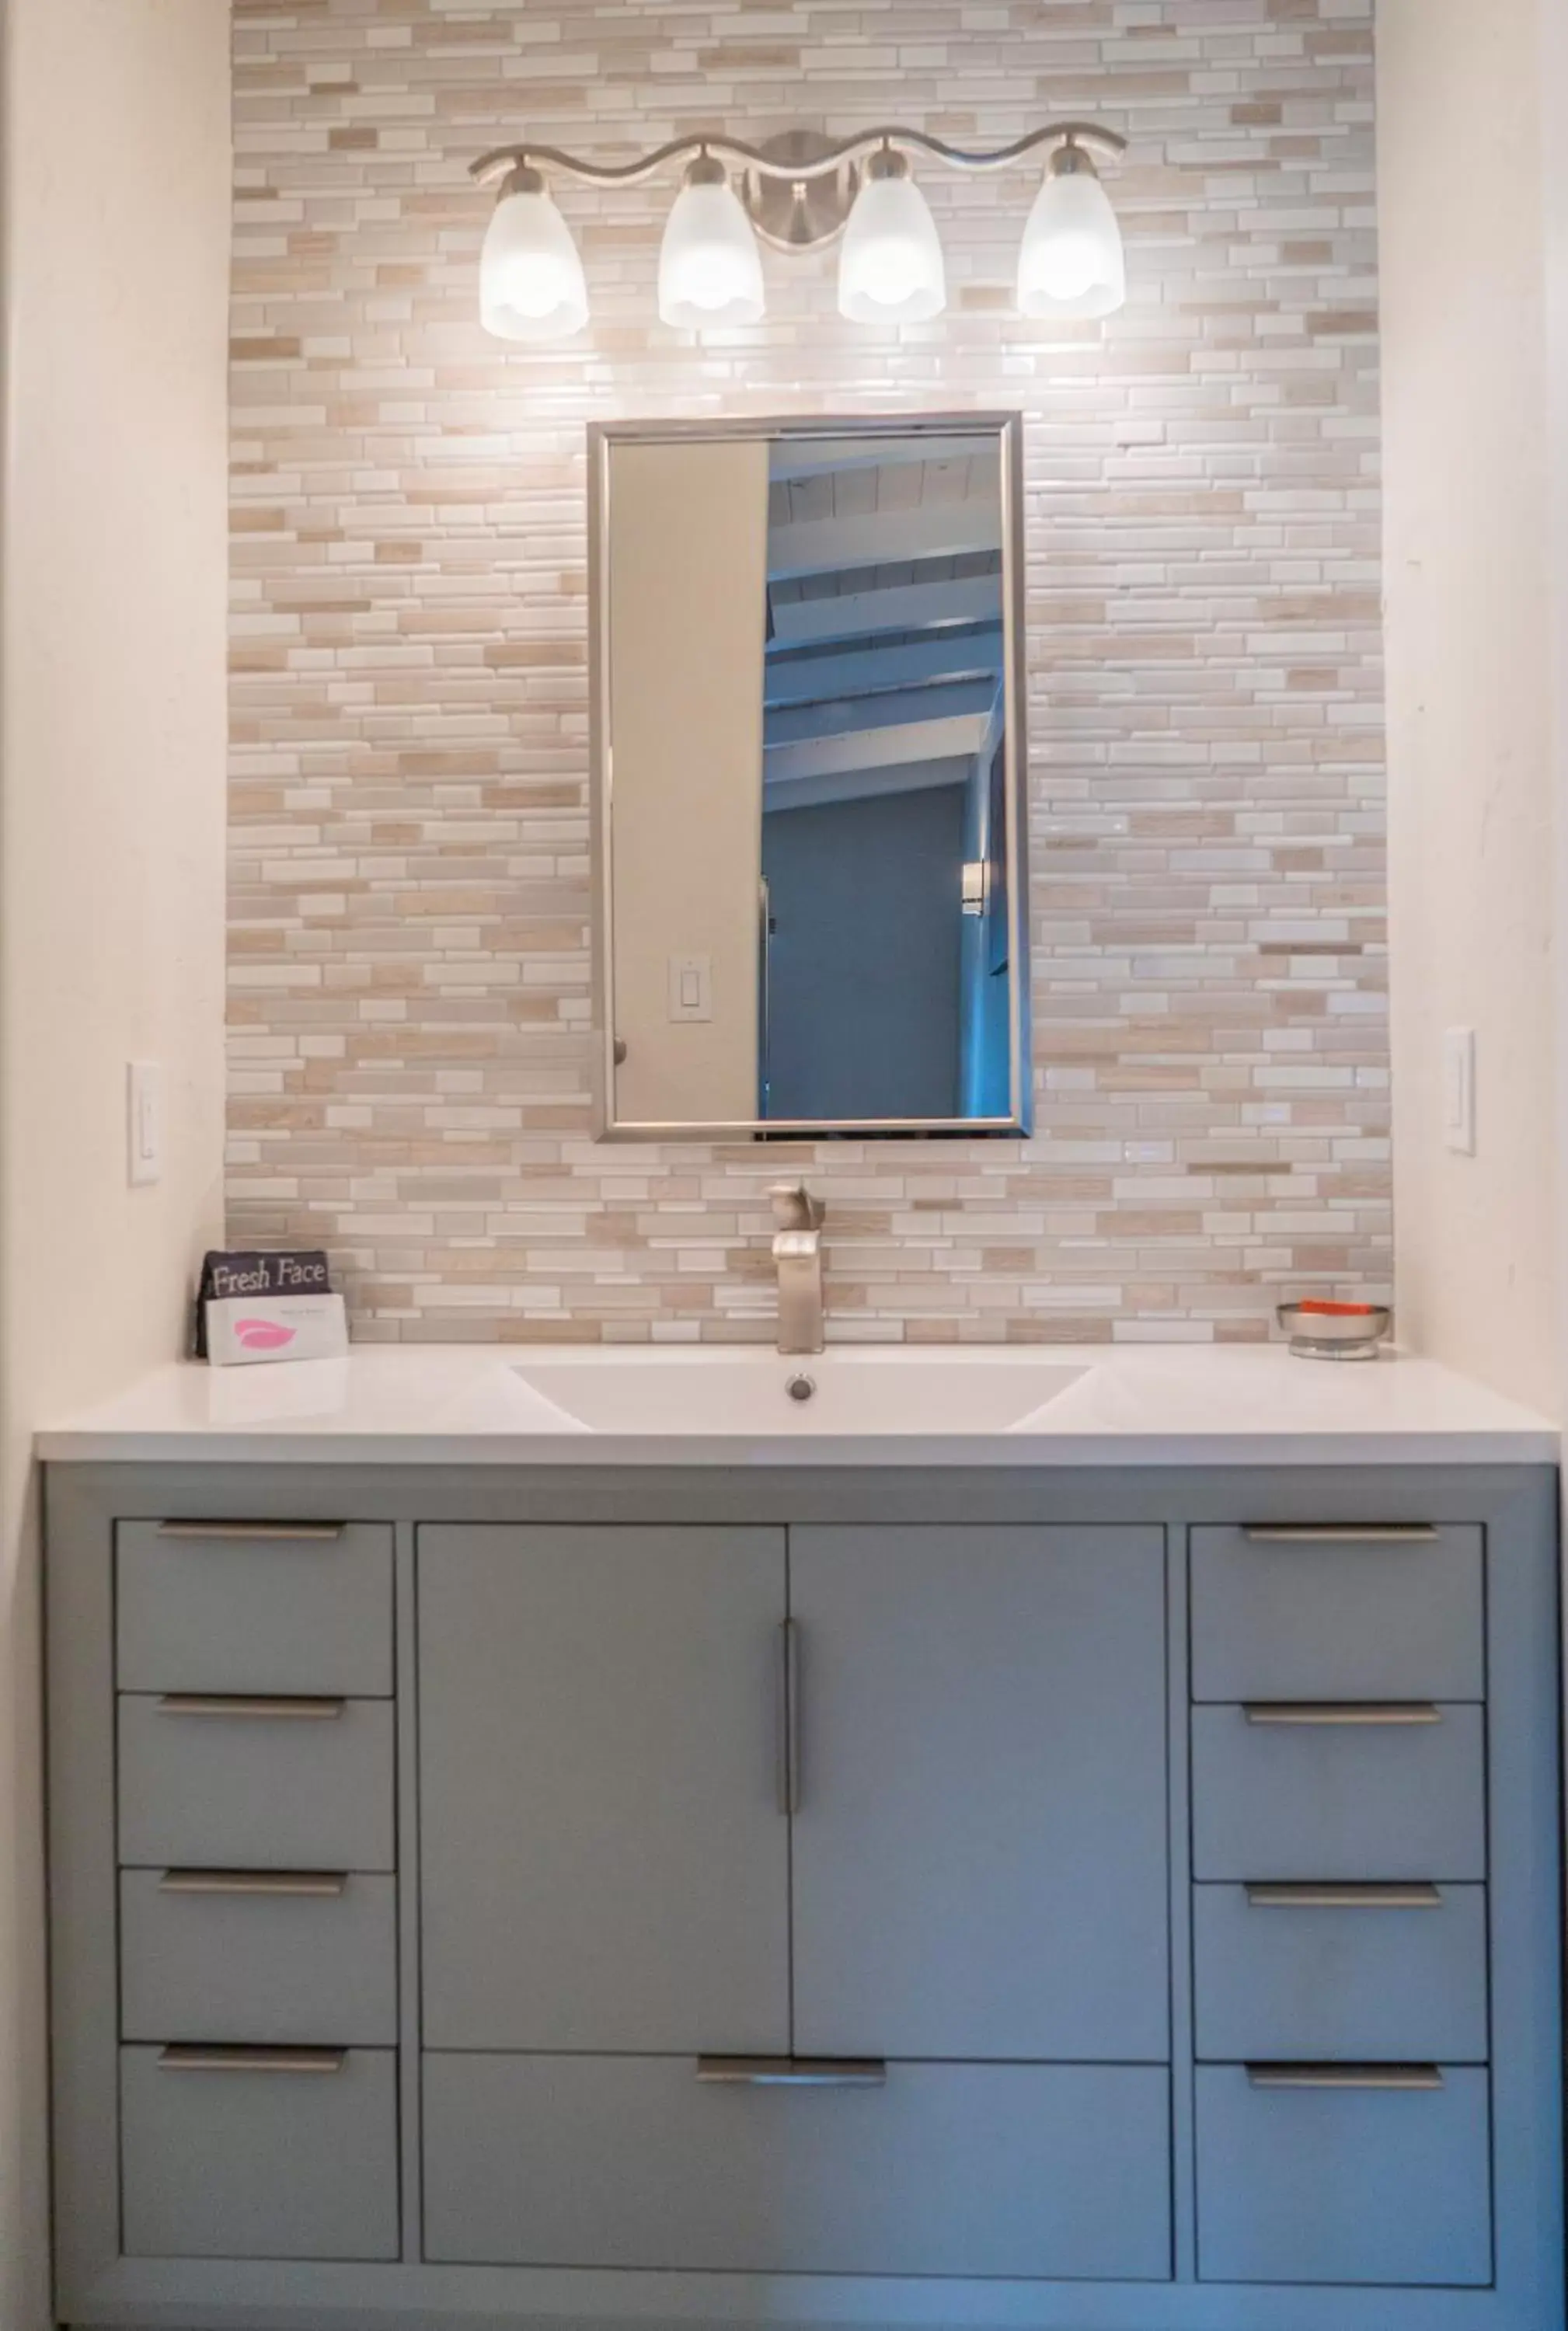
x=1553 y=102
x=117 y=172
x=1472 y=639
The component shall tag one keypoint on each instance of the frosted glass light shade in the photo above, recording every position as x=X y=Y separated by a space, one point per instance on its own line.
x=709 y=267
x=531 y=283
x=1073 y=263
x=891 y=270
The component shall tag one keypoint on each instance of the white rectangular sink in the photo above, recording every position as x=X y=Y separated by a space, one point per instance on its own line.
x=698 y=1394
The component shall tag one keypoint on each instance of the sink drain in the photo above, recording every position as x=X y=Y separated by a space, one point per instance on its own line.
x=802 y=1387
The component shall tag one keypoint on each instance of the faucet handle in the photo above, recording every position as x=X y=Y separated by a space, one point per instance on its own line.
x=794 y=1208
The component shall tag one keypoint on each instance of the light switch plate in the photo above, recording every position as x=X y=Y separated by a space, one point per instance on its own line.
x=691 y=988
x=1459 y=1091
x=144 y=1092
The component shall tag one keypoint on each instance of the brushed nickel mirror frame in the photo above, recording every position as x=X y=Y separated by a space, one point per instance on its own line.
x=1004 y=432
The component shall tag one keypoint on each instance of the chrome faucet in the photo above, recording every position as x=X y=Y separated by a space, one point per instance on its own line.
x=797 y=1251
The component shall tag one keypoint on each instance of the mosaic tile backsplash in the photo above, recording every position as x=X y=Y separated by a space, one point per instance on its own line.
x=410 y=991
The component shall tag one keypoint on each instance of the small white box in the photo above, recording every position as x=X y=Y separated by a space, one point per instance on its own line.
x=243 y=1329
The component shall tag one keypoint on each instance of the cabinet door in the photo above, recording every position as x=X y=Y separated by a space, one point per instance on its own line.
x=604 y=1862
x=980 y=1850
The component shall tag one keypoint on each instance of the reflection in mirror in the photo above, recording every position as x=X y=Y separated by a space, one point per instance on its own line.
x=808 y=807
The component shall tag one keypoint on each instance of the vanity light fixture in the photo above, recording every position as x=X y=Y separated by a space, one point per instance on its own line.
x=800 y=192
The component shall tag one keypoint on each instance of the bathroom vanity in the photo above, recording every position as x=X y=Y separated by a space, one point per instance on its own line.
x=1098 y=1871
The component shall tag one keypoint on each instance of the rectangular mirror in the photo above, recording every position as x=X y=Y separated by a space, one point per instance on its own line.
x=809 y=814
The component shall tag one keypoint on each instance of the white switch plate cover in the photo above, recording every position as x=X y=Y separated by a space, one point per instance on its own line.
x=691 y=988
x=143 y=1088
x=1459 y=1091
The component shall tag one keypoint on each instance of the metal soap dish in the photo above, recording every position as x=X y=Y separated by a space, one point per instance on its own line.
x=1353 y=1333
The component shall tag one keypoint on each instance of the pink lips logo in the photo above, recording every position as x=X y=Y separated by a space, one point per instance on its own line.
x=262 y=1335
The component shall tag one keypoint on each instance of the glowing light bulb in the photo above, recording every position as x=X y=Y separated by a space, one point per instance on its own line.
x=709 y=267
x=1072 y=262
x=891 y=270
x=531 y=283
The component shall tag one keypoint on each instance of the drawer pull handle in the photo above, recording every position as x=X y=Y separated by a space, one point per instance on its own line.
x=317 y=2061
x=1344 y=1898
x=788 y=1718
x=1401 y=2077
x=1341 y=1534
x=303 y=1533
x=793 y=2071
x=281 y=1711
x=323 y=1885
x=1341 y=1712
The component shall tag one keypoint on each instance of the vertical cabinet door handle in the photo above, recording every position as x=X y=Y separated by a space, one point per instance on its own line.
x=789 y=1719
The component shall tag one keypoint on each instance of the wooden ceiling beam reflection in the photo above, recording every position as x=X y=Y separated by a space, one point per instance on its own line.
x=856 y=671
x=894 y=709
x=904 y=607
x=883 y=538
x=960 y=736
x=794 y=460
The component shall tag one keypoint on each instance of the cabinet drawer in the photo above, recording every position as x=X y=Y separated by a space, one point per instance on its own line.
x=237 y=1607
x=1284 y=1613
x=1363 y=1979
x=1324 y=1799
x=1343 y=2186
x=1025 y=2170
x=263 y=1958
x=243 y=2162
x=250 y=1787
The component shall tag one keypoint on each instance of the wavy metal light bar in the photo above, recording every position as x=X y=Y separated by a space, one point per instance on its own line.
x=758 y=158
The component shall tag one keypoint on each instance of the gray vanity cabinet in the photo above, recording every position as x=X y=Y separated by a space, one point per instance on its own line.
x=980 y=1850
x=995 y=1899
x=605 y=1866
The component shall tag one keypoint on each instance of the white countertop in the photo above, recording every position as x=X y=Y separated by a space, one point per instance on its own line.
x=465 y=1404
